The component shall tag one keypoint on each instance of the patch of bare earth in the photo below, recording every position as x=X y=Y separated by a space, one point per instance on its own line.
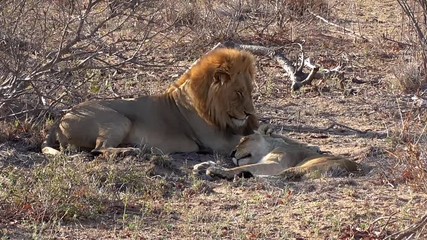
x=355 y=116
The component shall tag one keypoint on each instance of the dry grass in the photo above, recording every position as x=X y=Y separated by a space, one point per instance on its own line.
x=410 y=152
x=156 y=197
x=409 y=78
x=64 y=189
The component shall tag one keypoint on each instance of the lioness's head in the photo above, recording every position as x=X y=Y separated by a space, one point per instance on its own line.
x=256 y=146
x=251 y=149
x=220 y=89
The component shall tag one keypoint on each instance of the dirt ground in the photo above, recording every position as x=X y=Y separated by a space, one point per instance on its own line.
x=358 y=115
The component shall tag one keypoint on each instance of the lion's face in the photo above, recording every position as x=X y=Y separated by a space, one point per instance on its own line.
x=230 y=93
x=251 y=149
x=233 y=106
x=220 y=89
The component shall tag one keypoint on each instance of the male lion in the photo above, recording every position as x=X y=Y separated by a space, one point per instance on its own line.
x=265 y=153
x=209 y=109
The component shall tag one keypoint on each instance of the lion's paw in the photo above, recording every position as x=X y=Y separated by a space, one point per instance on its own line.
x=265 y=129
x=218 y=171
x=202 y=167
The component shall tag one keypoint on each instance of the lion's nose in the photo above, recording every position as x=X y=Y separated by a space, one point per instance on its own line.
x=233 y=154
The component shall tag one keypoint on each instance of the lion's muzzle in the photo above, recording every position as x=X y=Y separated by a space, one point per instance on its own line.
x=240 y=122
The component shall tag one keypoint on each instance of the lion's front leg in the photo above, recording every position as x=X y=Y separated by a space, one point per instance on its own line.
x=221 y=172
x=202 y=167
x=212 y=169
x=269 y=168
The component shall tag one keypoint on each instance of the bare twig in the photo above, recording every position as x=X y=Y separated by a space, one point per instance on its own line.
x=88 y=40
x=334 y=123
x=20 y=113
x=389 y=221
x=409 y=11
x=298 y=77
x=344 y=29
x=410 y=231
x=324 y=130
x=400 y=43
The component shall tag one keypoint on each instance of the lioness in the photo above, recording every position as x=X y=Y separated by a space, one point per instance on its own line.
x=208 y=109
x=265 y=153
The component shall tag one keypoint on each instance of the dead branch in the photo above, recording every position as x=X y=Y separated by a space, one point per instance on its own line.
x=20 y=113
x=411 y=14
x=343 y=29
x=334 y=124
x=295 y=72
x=297 y=76
x=321 y=130
x=410 y=231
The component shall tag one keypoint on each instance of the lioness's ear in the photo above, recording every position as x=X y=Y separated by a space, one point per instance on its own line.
x=221 y=76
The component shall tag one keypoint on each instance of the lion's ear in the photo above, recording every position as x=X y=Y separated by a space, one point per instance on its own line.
x=221 y=77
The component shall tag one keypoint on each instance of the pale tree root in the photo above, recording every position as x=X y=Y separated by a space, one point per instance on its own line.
x=295 y=72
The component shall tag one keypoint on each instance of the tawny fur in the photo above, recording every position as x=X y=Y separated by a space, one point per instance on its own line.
x=208 y=109
x=267 y=154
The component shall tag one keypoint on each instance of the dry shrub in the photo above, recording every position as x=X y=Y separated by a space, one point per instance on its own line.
x=413 y=162
x=409 y=78
x=300 y=7
x=23 y=135
x=57 y=53
x=212 y=21
x=414 y=76
x=410 y=154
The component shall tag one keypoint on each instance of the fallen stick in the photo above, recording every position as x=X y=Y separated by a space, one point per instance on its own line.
x=295 y=72
x=346 y=30
x=410 y=231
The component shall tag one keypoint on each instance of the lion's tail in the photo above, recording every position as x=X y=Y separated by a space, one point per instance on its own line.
x=48 y=145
